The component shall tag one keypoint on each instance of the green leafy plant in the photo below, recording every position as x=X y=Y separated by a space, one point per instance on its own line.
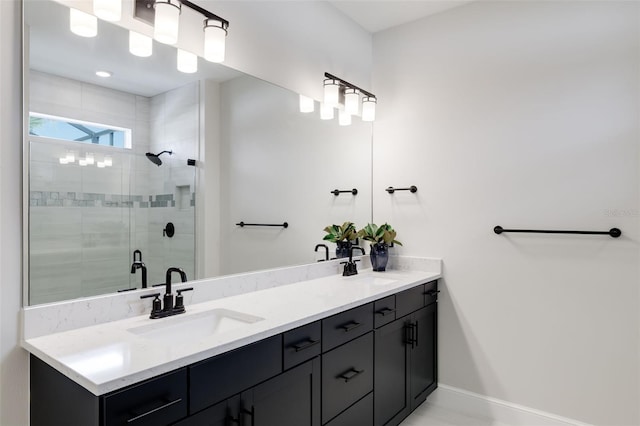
x=379 y=234
x=335 y=233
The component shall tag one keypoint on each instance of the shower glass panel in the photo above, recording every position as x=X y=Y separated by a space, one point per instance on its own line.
x=86 y=221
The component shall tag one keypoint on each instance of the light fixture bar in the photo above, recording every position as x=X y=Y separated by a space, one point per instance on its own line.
x=348 y=85
x=206 y=13
x=144 y=11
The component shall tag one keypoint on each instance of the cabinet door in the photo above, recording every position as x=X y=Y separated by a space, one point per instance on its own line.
x=391 y=380
x=290 y=399
x=423 y=356
x=225 y=413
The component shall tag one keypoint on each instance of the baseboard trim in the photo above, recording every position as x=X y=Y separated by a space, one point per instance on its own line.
x=485 y=407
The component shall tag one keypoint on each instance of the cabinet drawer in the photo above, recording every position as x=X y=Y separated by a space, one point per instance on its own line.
x=409 y=301
x=301 y=344
x=359 y=414
x=430 y=292
x=345 y=326
x=156 y=402
x=218 y=378
x=347 y=375
x=384 y=311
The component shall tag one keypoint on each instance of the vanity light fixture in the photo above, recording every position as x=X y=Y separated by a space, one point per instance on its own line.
x=307 y=104
x=167 y=21
x=70 y=157
x=351 y=100
x=109 y=10
x=82 y=162
x=82 y=24
x=63 y=160
x=187 y=62
x=351 y=95
x=344 y=118
x=89 y=159
x=108 y=161
x=166 y=24
x=331 y=92
x=327 y=112
x=100 y=164
x=140 y=44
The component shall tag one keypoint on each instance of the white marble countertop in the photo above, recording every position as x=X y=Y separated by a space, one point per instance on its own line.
x=107 y=357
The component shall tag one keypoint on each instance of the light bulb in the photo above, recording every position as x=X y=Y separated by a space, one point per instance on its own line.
x=306 y=104
x=82 y=23
x=167 y=21
x=215 y=34
x=331 y=92
x=187 y=62
x=351 y=101
x=326 y=112
x=344 y=118
x=369 y=108
x=109 y=10
x=140 y=45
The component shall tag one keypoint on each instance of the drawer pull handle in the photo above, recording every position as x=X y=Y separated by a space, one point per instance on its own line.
x=155 y=410
x=350 y=326
x=350 y=374
x=385 y=311
x=431 y=292
x=305 y=345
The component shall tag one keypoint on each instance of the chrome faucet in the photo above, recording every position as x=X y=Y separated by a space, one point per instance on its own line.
x=167 y=307
x=139 y=264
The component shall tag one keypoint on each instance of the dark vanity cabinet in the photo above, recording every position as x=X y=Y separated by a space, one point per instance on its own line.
x=370 y=365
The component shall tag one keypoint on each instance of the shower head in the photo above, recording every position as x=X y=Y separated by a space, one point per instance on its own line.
x=155 y=158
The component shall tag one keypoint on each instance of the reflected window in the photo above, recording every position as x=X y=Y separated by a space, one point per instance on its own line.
x=49 y=126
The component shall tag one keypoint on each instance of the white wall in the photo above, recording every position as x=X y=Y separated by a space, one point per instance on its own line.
x=521 y=114
x=13 y=360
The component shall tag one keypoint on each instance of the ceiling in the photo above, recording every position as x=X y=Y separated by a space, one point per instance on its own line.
x=379 y=15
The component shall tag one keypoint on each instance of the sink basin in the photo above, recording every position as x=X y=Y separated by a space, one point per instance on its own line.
x=189 y=328
x=374 y=280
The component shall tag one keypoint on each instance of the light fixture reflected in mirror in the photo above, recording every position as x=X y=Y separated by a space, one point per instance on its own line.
x=82 y=24
x=140 y=44
x=187 y=62
x=344 y=118
x=109 y=10
x=327 y=112
x=167 y=21
x=306 y=104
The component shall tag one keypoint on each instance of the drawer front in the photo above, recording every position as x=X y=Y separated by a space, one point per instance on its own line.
x=218 y=378
x=301 y=344
x=409 y=301
x=156 y=402
x=431 y=292
x=347 y=375
x=359 y=414
x=345 y=326
x=384 y=311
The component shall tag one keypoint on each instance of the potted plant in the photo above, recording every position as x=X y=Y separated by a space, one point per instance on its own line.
x=342 y=236
x=380 y=237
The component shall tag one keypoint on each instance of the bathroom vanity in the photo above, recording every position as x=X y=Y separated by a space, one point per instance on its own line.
x=335 y=351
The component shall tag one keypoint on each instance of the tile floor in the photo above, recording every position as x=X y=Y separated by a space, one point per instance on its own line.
x=432 y=415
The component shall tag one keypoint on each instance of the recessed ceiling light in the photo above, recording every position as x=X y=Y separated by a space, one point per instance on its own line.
x=103 y=74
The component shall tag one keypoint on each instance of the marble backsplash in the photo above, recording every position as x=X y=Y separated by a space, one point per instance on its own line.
x=68 y=315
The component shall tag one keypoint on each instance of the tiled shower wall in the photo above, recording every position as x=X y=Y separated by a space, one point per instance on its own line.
x=85 y=222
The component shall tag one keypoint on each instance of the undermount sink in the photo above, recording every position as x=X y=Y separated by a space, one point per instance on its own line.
x=373 y=279
x=193 y=327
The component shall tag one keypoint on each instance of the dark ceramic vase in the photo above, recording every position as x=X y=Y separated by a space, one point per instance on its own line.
x=379 y=256
x=343 y=248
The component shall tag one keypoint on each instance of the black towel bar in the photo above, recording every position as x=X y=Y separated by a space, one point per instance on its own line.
x=613 y=232
x=282 y=225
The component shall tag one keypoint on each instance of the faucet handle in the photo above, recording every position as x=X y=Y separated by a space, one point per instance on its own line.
x=179 y=306
x=156 y=305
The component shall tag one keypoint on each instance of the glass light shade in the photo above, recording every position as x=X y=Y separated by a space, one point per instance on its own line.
x=187 y=62
x=71 y=157
x=326 y=112
x=140 y=44
x=351 y=101
x=63 y=160
x=109 y=10
x=214 y=40
x=82 y=162
x=108 y=161
x=344 y=118
x=100 y=165
x=89 y=158
x=369 y=108
x=306 y=104
x=82 y=23
x=331 y=92
x=167 y=21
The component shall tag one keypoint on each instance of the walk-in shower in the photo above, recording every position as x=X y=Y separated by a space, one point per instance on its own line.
x=155 y=158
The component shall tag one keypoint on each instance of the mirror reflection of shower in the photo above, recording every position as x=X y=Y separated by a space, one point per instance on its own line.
x=155 y=158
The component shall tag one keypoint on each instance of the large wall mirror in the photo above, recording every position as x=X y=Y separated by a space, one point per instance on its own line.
x=95 y=195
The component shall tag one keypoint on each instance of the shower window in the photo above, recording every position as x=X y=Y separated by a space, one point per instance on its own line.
x=49 y=126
